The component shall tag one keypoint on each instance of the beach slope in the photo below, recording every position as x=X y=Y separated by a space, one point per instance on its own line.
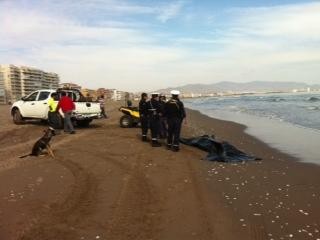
x=104 y=183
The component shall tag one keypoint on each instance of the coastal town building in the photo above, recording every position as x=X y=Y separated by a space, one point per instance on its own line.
x=2 y=91
x=18 y=81
x=113 y=94
x=70 y=86
x=101 y=91
x=109 y=93
x=118 y=95
x=90 y=94
x=35 y=79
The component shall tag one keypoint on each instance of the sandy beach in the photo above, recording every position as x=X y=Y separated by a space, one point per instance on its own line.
x=105 y=183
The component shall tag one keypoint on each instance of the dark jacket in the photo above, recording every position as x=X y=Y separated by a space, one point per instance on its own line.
x=143 y=108
x=154 y=108
x=174 y=109
x=162 y=107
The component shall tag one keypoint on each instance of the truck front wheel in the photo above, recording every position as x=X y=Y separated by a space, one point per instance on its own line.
x=17 y=117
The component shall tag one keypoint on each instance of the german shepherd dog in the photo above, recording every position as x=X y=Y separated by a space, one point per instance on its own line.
x=41 y=144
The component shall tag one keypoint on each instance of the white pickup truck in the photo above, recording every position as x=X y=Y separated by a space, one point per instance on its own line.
x=35 y=106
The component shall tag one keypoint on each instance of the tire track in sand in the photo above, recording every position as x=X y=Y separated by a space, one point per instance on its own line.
x=56 y=223
x=134 y=215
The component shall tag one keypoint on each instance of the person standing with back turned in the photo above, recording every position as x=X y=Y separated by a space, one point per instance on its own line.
x=175 y=113
x=154 y=110
x=102 y=105
x=67 y=106
x=143 y=112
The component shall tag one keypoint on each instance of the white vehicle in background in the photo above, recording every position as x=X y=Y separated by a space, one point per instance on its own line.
x=35 y=106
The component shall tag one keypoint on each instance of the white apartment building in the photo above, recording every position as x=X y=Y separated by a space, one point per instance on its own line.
x=118 y=95
x=2 y=92
x=19 y=81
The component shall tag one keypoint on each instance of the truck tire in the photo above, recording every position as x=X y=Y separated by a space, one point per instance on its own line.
x=17 y=117
x=83 y=123
x=126 y=121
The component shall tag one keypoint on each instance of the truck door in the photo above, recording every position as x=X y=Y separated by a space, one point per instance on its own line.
x=41 y=105
x=27 y=109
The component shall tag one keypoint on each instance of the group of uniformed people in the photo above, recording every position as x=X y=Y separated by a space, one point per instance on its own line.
x=163 y=118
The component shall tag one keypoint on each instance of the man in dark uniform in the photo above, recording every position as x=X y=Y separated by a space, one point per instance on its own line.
x=175 y=113
x=154 y=112
x=144 y=119
x=163 y=121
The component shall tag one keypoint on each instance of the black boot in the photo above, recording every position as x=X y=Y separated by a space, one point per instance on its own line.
x=144 y=138
x=155 y=143
x=175 y=148
x=168 y=146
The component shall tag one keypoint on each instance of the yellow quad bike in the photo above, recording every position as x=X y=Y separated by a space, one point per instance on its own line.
x=131 y=117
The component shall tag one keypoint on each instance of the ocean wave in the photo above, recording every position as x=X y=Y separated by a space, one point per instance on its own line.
x=276 y=100
x=313 y=108
x=313 y=99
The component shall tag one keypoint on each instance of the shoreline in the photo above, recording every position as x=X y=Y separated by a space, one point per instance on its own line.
x=296 y=141
x=217 y=127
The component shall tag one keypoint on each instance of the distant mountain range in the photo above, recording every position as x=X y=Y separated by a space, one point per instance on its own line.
x=241 y=87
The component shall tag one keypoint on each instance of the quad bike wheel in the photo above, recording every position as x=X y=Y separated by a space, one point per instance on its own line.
x=126 y=121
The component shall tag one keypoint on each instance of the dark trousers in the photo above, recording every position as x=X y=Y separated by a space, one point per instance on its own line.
x=53 y=120
x=68 y=126
x=103 y=112
x=144 y=125
x=174 y=129
x=154 y=127
x=163 y=128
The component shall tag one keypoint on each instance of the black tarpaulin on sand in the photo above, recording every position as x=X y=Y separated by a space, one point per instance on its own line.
x=218 y=151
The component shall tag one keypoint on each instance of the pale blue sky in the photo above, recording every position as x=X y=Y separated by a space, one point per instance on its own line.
x=145 y=45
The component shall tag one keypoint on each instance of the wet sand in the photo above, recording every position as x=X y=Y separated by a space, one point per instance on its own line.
x=106 y=184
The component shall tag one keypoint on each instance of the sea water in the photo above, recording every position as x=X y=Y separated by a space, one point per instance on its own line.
x=289 y=122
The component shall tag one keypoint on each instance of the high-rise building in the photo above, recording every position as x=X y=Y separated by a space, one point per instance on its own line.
x=70 y=86
x=20 y=81
x=12 y=82
x=2 y=92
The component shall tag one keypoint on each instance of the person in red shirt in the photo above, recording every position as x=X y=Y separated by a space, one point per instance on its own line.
x=67 y=106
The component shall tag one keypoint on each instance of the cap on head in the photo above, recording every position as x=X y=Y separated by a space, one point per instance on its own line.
x=175 y=92
x=144 y=95
x=154 y=94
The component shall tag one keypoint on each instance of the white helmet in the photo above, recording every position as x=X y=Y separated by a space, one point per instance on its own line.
x=175 y=92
